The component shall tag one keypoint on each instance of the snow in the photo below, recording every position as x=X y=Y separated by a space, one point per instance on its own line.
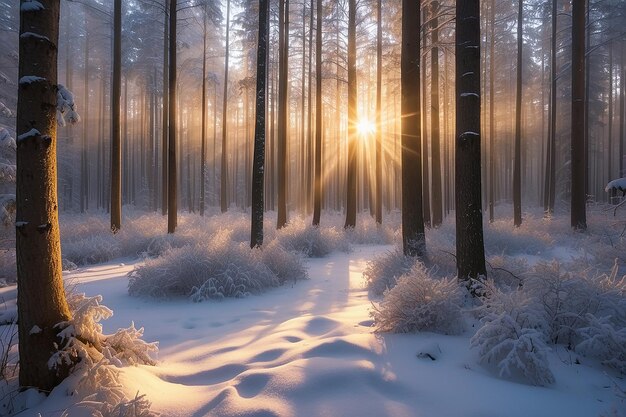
x=29 y=79
x=34 y=35
x=35 y=330
x=309 y=350
x=31 y=6
x=29 y=134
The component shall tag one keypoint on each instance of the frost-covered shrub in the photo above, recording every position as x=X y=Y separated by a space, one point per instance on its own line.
x=502 y=237
x=420 y=302
x=512 y=336
x=286 y=265
x=92 y=250
x=8 y=267
x=382 y=272
x=313 y=242
x=602 y=339
x=217 y=269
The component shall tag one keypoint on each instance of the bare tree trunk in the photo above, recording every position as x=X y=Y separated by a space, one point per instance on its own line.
x=203 y=116
x=256 y=234
x=116 y=149
x=84 y=165
x=41 y=299
x=609 y=154
x=413 y=237
x=578 y=201
x=434 y=120
x=172 y=199
x=317 y=203
x=352 y=119
x=379 y=99
x=425 y=163
x=492 y=153
x=551 y=154
x=283 y=101
x=224 y=165
x=166 y=111
x=517 y=165
x=470 y=252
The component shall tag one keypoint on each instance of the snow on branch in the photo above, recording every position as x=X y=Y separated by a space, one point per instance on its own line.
x=31 y=6
x=66 y=107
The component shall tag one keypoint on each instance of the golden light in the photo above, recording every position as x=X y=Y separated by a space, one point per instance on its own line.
x=366 y=127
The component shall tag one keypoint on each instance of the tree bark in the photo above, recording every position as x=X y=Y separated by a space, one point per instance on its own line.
x=413 y=237
x=41 y=299
x=224 y=165
x=258 y=168
x=283 y=112
x=351 y=186
x=203 y=116
x=116 y=148
x=172 y=197
x=517 y=164
x=166 y=111
x=470 y=252
x=578 y=200
x=437 y=214
x=379 y=99
x=317 y=203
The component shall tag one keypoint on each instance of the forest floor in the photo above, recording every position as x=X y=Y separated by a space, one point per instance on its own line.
x=308 y=349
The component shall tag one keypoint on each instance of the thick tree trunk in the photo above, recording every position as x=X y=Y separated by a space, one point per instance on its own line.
x=551 y=154
x=258 y=167
x=351 y=185
x=413 y=237
x=437 y=215
x=317 y=201
x=224 y=164
x=172 y=198
x=578 y=201
x=166 y=111
x=41 y=297
x=379 y=99
x=425 y=163
x=517 y=164
x=470 y=252
x=283 y=112
x=492 y=122
x=203 y=116
x=116 y=148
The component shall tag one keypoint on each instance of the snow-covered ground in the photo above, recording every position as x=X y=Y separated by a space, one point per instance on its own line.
x=308 y=350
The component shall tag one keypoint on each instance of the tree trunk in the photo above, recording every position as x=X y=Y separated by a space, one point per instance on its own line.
x=317 y=203
x=517 y=165
x=116 y=148
x=224 y=165
x=578 y=200
x=492 y=153
x=413 y=238
x=352 y=119
x=41 y=297
x=437 y=215
x=84 y=164
x=166 y=111
x=551 y=154
x=425 y=163
x=283 y=113
x=203 y=116
x=470 y=252
x=379 y=99
x=172 y=202
x=258 y=168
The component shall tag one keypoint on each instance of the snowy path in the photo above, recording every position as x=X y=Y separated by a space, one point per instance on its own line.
x=307 y=350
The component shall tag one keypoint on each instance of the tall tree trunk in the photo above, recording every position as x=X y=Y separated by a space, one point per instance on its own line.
x=517 y=164
x=283 y=101
x=434 y=120
x=172 y=199
x=379 y=100
x=551 y=154
x=116 y=139
x=413 y=237
x=224 y=165
x=166 y=111
x=41 y=299
x=622 y=110
x=470 y=252
x=492 y=122
x=578 y=201
x=609 y=153
x=203 y=116
x=425 y=163
x=352 y=119
x=84 y=165
x=258 y=168
x=311 y=142
x=317 y=201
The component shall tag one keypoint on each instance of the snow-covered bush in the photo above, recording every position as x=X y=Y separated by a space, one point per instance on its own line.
x=512 y=335
x=92 y=250
x=217 y=269
x=382 y=272
x=602 y=339
x=420 y=302
x=313 y=242
x=8 y=266
x=286 y=265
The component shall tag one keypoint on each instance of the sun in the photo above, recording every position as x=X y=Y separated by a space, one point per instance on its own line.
x=366 y=127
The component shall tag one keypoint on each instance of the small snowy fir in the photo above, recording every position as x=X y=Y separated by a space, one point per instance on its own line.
x=31 y=6
x=618 y=185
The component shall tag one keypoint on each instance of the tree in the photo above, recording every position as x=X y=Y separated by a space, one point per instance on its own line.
x=434 y=120
x=258 y=168
x=165 y=110
x=413 y=237
x=517 y=165
x=41 y=298
x=578 y=201
x=224 y=165
x=352 y=118
x=116 y=132
x=203 y=114
x=379 y=99
x=550 y=180
x=283 y=111
x=470 y=252
x=172 y=203
x=317 y=200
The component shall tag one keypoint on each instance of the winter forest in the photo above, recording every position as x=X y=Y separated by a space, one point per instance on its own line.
x=302 y=208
